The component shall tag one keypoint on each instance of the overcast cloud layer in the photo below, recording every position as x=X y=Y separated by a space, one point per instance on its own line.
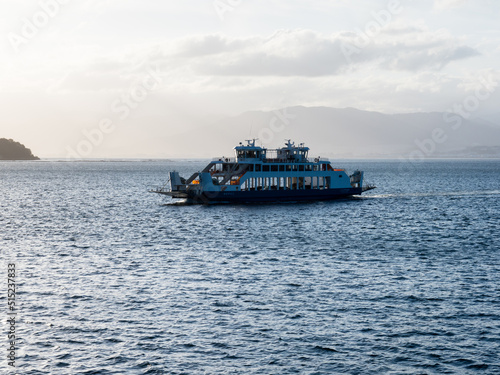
x=157 y=68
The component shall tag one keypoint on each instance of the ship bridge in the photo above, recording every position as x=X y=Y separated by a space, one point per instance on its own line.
x=250 y=152
x=292 y=153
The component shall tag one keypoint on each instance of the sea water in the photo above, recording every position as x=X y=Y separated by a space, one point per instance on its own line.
x=111 y=279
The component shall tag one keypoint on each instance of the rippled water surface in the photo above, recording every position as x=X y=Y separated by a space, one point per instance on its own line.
x=111 y=280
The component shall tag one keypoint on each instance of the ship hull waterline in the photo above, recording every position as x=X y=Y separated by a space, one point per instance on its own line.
x=261 y=196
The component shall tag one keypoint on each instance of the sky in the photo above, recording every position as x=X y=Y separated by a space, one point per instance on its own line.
x=114 y=78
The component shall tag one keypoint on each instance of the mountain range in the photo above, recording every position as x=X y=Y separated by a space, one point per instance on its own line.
x=348 y=133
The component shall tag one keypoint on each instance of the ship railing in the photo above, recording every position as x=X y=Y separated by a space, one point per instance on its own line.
x=317 y=158
x=223 y=159
x=291 y=160
x=271 y=159
x=282 y=160
x=160 y=189
x=167 y=187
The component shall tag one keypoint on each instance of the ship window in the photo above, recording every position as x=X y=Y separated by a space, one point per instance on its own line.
x=274 y=168
x=265 y=168
x=340 y=175
x=257 y=167
x=288 y=168
x=282 y=168
x=295 y=168
x=315 y=168
x=308 y=168
x=301 y=168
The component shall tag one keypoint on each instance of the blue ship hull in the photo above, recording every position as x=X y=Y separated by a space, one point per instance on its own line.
x=275 y=195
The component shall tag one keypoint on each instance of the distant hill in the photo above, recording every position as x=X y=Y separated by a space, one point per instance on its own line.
x=346 y=133
x=12 y=150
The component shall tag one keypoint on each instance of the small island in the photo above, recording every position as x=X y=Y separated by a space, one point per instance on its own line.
x=12 y=150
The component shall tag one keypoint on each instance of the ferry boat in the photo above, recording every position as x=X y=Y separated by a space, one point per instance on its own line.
x=257 y=174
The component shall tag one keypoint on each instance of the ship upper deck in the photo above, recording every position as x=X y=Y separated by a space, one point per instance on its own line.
x=250 y=153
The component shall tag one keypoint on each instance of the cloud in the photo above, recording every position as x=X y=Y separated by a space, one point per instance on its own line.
x=448 y=4
x=212 y=44
x=215 y=62
x=310 y=54
x=201 y=63
x=286 y=53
